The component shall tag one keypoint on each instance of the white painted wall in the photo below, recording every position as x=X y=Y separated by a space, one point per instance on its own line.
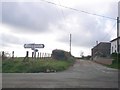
x=114 y=46
x=114 y=43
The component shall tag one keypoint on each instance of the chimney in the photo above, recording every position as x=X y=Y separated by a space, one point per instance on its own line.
x=96 y=42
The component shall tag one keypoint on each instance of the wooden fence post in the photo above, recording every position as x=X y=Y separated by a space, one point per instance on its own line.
x=3 y=55
x=26 y=58
x=32 y=55
x=12 y=54
x=27 y=54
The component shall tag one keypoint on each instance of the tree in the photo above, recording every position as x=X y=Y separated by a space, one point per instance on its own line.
x=82 y=54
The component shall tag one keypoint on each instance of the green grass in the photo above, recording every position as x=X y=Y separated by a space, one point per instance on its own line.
x=34 y=66
x=115 y=65
x=116 y=61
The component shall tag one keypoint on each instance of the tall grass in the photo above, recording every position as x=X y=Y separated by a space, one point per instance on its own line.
x=34 y=66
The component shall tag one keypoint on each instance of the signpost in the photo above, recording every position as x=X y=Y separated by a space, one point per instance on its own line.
x=33 y=46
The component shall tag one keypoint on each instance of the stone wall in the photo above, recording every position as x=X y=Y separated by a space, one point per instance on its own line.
x=105 y=61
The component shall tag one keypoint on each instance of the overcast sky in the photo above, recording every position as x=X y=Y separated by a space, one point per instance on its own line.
x=40 y=22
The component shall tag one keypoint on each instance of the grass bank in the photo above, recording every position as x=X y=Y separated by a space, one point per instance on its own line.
x=35 y=66
x=116 y=61
x=115 y=64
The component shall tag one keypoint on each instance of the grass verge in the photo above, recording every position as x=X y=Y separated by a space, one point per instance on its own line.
x=115 y=64
x=35 y=66
x=116 y=61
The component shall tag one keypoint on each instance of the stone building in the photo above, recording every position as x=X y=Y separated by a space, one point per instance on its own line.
x=101 y=50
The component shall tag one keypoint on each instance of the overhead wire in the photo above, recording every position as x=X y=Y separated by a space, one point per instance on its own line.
x=110 y=31
x=82 y=11
x=62 y=11
x=79 y=10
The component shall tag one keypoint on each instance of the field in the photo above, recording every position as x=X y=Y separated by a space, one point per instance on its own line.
x=17 y=65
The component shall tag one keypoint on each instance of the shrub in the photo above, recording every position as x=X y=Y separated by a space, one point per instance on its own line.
x=61 y=55
x=116 y=57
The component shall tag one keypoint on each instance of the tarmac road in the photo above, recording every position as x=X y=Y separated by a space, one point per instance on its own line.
x=84 y=74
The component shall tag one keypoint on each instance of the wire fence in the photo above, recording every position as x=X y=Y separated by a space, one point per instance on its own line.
x=35 y=55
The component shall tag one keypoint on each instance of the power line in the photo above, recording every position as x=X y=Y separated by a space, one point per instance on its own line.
x=80 y=10
x=109 y=31
x=58 y=13
x=65 y=21
x=62 y=11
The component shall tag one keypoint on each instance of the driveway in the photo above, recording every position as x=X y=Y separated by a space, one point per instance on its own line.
x=84 y=74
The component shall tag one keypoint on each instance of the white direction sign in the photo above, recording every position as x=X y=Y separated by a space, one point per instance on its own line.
x=33 y=46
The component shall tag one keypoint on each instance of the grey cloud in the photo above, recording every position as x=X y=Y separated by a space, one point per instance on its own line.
x=113 y=10
x=34 y=17
x=37 y=17
x=119 y=9
x=0 y=12
x=7 y=39
x=92 y=31
x=93 y=25
x=83 y=40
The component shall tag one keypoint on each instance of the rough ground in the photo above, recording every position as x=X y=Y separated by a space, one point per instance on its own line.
x=84 y=74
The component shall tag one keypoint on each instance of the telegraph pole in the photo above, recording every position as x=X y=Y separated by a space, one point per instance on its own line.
x=117 y=41
x=70 y=43
x=118 y=35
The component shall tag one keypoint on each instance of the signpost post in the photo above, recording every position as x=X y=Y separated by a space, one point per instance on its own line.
x=33 y=46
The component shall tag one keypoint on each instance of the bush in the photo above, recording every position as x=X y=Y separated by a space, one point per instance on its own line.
x=61 y=55
x=116 y=57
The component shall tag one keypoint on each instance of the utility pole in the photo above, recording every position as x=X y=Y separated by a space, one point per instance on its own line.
x=117 y=41
x=70 y=43
x=118 y=35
